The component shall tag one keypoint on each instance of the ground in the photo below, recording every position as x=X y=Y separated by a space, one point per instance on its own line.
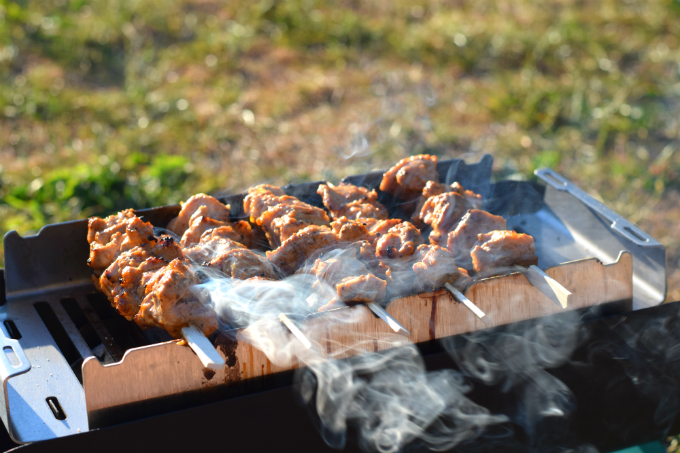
x=109 y=104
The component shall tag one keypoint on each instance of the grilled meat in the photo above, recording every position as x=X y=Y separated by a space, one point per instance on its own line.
x=442 y=213
x=433 y=188
x=401 y=240
x=301 y=246
x=239 y=231
x=238 y=262
x=352 y=280
x=435 y=266
x=279 y=215
x=353 y=202
x=502 y=249
x=196 y=206
x=464 y=237
x=170 y=304
x=407 y=179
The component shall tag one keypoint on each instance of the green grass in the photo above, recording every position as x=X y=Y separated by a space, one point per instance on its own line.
x=112 y=104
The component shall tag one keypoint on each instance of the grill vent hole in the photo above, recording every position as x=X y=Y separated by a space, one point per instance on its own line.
x=82 y=324
x=11 y=356
x=12 y=330
x=635 y=234
x=55 y=407
x=64 y=343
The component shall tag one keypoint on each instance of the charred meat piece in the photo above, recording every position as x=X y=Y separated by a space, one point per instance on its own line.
x=280 y=215
x=407 y=179
x=239 y=231
x=435 y=266
x=114 y=235
x=351 y=201
x=301 y=246
x=502 y=249
x=169 y=302
x=353 y=282
x=464 y=237
x=442 y=213
x=401 y=240
x=196 y=206
x=123 y=280
x=433 y=188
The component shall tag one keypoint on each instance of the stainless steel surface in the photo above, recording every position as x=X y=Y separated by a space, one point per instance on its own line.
x=583 y=227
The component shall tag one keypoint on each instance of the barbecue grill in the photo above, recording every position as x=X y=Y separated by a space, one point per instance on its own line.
x=55 y=325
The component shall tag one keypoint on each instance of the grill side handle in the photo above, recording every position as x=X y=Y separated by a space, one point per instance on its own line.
x=9 y=370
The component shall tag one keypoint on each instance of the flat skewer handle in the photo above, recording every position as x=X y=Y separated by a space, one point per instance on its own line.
x=205 y=351
x=393 y=323
x=460 y=297
x=548 y=286
x=295 y=330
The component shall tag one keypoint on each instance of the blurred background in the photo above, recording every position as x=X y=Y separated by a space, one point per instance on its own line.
x=110 y=104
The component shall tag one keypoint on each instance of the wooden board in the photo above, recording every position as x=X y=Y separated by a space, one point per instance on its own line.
x=349 y=331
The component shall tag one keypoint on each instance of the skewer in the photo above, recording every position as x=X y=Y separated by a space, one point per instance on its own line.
x=295 y=331
x=468 y=303
x=203 y=348
x=550 y=287
x=393 y=323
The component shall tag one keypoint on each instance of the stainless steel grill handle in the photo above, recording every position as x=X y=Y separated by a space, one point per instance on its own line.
x=618 y=223
x=7 y=369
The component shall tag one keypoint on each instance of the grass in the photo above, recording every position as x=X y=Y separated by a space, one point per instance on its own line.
x=110 y=104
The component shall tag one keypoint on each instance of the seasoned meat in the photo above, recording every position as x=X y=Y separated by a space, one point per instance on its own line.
x=198 y=205
x=239 y=262
x=209 y=247
x=407 y=179
x=399 y=241
x=435 y=266
x=499 y=249
x=302 y=245
x=169 y=302
x=239 y=231
x=464 y=237
x=123 y=280
x=279 y=215
x=351 y=201
x=114 y=235
x=353 y=282
x=442 y=213
x=433 y=188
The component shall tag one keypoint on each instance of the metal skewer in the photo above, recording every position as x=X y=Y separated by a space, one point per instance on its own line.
x=468 y=303
x=295 y=331
x=203 y=348
x=393 y=323
x=550 y=287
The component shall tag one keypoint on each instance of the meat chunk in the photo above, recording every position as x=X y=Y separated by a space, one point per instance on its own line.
x=407 y=179
x=461 y=240
x=433 y=188
x=238 y=262
x=442 y=213
x=123 y=281
x=353 y=282
x=351 y=201
x=502 y=249
x=301 y=246
x=399 y=241
x=198 y=205
x=114 y=235
x=169 y=302
x=239 y=231
x=279 y=215
x=435 y=266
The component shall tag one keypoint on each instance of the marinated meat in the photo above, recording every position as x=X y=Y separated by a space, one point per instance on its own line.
x=435 y=266
x=239 y=231
x=114 y=235
x=399 y=241
x=433 y=188
x=464 y=237
x=502 y=249
x=407 y=179
x=209 y=247
x=169 y=302
x=239 y=262
x=300 y=246
x=122 y=282
x=351 y=201
x=280 y=216
x=198 y=205
x=442 y=213
x=352 y=280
